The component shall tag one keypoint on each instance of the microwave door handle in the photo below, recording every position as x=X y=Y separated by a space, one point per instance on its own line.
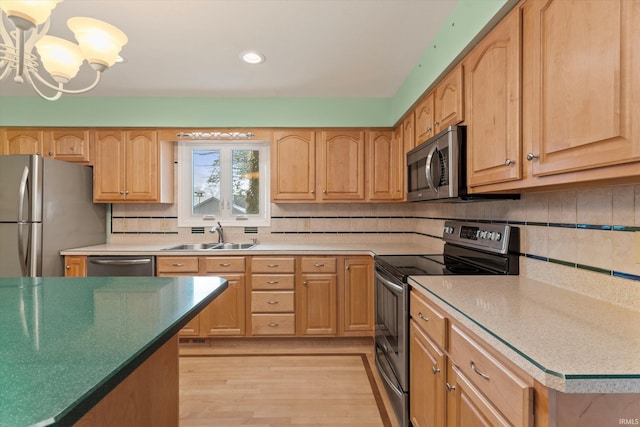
x=427 y=169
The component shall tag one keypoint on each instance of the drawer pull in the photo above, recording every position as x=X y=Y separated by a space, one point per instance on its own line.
x=225 y=265
x=474 y=369
x=273 y=325
x=273 y=265
x=318 y=265
x=272 y=282
x=177 y=264
x=426 y=319
x=434 y=370
x=450 y=387
x=272 y=302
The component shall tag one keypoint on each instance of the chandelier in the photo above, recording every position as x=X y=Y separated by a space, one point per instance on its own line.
x=99 y=43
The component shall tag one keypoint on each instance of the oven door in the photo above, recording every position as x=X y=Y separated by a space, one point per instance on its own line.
x=392 y=322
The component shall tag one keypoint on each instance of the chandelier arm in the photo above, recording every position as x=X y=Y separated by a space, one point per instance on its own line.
x=36 y=35
x=20 y=43
x=60 y=88
x=39 y=92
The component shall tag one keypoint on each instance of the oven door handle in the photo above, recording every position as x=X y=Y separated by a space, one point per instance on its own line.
x=393 y=286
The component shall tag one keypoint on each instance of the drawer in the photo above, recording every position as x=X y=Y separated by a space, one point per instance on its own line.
x=272 y=281
x=224 y=264
x=428 y=318
x=272 y=265
x=318 y=265
x=176 y=264
x=277 y=301
x=507 y=391
x=273 y=324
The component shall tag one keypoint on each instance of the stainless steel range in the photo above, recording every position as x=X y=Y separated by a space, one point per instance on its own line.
x=471 y=249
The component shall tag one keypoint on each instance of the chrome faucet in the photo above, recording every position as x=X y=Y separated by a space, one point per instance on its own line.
x=220 y=231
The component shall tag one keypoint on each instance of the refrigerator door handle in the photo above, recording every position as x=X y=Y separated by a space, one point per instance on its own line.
x=22 y=193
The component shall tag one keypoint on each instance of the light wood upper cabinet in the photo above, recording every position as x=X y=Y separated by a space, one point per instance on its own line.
x=440 y=108
x=293 y=166
x=408 y=133
x=582 y=72
x=385 y=166
x=492 y=97
x=22 y=141
x=71 y=145
x=341 y=155
x=132 y=166
x=425 y=117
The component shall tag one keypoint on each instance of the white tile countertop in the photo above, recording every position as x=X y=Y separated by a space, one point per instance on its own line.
x=567 y=341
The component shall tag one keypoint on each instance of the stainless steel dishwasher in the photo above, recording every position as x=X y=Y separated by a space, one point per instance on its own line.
x=121 y=266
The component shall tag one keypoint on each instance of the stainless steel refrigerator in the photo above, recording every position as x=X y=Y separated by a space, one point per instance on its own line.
x=46 y=206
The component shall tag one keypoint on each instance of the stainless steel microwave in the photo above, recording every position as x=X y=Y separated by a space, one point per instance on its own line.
x=436 y=169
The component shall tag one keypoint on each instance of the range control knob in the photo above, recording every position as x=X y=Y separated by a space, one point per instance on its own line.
x=483 y=234
x=496 y=236
x=448 y=230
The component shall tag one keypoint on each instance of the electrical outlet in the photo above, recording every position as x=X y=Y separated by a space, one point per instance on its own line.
x=638 y=247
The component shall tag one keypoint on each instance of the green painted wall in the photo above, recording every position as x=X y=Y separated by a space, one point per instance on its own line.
x=466 y=20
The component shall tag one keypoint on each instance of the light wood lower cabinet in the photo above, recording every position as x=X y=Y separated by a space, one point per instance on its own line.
x=272 y=296
x=456 y=381
x=356 y=298
x=75 y=266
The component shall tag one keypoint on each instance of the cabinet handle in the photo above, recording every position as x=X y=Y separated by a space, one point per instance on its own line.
x=273 y=325
x=177 y=264
x=68 y=267
x=347 y=267
x=426 y=319
x=532 y=157
x=126 y=192
x=474 y=369
x=272 y=302
x=225 y=265
x=305 y=283
x=324 y=191
x=272 y=282
x=273 y=265
x=434 y=370
x=318 y=265
x=121 y=192
x=436 y=123
x=509 y=162
x=313 y=191
x=428 y=129
x=50 y=154
x=450 y=387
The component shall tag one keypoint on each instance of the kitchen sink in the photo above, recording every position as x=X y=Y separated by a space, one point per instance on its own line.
x=209 y=246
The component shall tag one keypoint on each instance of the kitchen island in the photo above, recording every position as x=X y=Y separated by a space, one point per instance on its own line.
x=95 y=351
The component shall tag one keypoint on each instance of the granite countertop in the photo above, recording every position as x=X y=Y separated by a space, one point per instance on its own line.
x=259 y=249
x=66 y=342
x=565 y=340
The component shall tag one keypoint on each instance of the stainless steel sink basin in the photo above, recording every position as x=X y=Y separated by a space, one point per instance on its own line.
x=209 y=246
x=234 y=246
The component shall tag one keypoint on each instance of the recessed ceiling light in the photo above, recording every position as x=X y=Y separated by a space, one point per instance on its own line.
x=252 y=57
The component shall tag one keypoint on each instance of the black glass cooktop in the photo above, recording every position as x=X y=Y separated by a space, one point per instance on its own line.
x=426 y=265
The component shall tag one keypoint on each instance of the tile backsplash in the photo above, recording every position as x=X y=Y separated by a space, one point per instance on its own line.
x=578 y=230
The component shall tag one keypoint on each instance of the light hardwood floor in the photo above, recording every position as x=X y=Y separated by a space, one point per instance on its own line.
x=280 y=382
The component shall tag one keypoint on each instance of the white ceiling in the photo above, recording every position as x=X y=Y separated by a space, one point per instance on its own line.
x=313 y=48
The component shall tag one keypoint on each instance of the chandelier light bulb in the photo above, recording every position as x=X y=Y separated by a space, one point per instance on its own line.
x=100 y=42
x=61 y=58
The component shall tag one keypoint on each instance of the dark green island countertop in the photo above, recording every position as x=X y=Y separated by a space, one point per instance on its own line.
x=65 y=343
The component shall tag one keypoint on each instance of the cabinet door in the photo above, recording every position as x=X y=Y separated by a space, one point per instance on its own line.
x=109 y=166
x=75 y=266
x=142 y=180
x=424 y=119
x=226 y=314
x=585 y=90
x=492 y=98
x=316 y=308
x=293 y=163
x=408 y=133
x=181 y=266
x=427 y=371
x=385 y=166
x=358 y=295
x=342 y=165
x=70 y=145
x=22 y=141
x=466 y=406
x=449 y=97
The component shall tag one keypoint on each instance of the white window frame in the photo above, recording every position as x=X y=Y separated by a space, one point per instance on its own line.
x=185 y=185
